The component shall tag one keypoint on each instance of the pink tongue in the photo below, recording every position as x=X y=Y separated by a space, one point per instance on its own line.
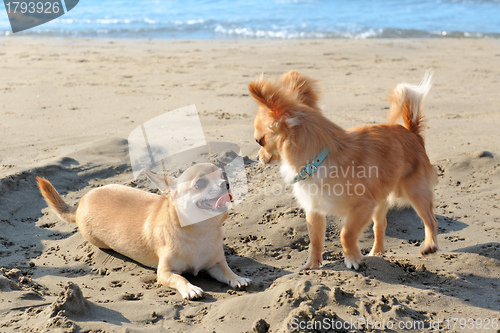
x=223 y=200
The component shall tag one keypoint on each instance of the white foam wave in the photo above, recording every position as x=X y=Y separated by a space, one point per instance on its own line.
x=145 y=20
x=244 y=32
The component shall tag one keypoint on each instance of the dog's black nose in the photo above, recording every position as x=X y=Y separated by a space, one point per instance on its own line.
x=257 y=157
x=224 y=185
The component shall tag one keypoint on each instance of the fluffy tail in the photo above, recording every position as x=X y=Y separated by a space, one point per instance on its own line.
x=54 y=200
x=406 y=102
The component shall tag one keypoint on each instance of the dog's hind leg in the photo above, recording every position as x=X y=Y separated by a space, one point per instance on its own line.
x=358 y=217
x=316 y=225
x=379 y=225
x=421 y=200
x=419 y=191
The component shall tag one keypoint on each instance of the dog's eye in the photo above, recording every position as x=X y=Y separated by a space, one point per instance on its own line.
x=201 y=184
x=260 y=141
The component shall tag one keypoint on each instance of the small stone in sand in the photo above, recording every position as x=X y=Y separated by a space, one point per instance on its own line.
x=485 y=153
x=261 y=326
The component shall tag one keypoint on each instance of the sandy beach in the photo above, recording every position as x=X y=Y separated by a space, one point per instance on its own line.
x=67 y=107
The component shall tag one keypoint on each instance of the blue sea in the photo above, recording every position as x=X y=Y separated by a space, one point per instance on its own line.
x=273 y=19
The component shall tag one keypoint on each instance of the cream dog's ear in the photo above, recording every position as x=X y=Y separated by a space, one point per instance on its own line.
x=163 y=183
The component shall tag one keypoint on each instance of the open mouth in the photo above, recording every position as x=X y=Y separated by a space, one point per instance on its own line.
x=215 y=204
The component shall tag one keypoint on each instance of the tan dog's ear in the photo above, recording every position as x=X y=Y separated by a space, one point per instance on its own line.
x=269 y=94
x=163 y=183
x=256 y=90
x=304 y=88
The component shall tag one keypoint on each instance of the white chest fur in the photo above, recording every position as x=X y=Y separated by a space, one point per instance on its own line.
x=314 y=193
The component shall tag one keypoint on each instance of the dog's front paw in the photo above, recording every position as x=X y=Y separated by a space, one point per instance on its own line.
x=191 y=292
x=353 y=260
x=239 y=282
x=310 y=264
x=428 y=248
x=376 y=251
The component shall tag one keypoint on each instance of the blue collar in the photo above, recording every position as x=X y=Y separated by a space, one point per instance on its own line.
x=311 y=167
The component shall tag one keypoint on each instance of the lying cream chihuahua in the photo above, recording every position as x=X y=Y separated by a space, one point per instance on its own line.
x=146 y=228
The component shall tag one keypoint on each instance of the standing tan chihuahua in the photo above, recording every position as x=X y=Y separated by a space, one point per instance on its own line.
x=359 y=173
x=146 y=228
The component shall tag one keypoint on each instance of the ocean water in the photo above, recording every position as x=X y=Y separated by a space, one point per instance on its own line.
x=273 y=19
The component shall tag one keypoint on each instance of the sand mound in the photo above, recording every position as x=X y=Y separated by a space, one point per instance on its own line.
x=69 y=302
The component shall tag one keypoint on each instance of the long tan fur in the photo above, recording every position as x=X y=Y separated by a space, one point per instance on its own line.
x=406 y=102
x=292 y=130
